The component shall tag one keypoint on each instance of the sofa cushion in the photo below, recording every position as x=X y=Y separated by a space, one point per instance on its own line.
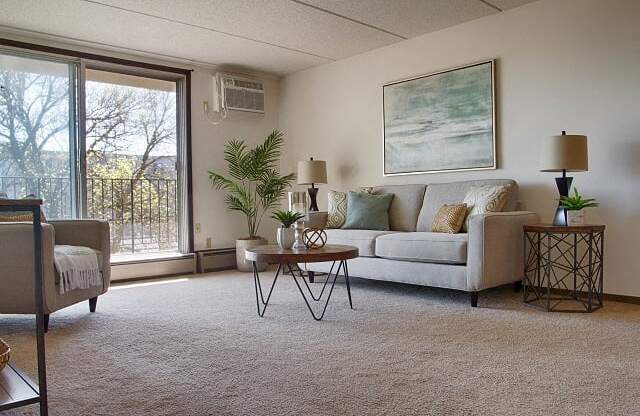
x=365 y=240
x=438 y=194
x=423 y=247
x=367 y=211
x=405 y=206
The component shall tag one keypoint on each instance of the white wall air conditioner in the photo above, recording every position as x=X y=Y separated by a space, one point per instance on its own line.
x=241 y=94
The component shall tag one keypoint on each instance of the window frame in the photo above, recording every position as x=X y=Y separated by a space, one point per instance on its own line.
x=73 y=64
x=81 y=61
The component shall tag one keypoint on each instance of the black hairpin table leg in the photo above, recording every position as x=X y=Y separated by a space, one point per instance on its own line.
x=258 y=287
x=296 y=273
x=346 y=279
x=342 y=265
x=324 y=285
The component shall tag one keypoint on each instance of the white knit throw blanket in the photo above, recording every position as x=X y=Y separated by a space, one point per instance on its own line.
x=78 y=268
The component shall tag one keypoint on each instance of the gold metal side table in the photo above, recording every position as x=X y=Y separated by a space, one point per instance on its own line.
x=564 y=267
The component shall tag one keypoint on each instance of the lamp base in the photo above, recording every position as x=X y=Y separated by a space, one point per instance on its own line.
x=560 y=218
x=313 y=204
x=564 y=184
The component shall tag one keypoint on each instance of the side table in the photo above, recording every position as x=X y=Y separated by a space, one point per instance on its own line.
x=564 y=267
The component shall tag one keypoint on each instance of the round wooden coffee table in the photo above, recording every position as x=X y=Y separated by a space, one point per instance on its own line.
x=287 y=261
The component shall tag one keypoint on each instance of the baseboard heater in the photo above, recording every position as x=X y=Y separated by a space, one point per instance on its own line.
x=215 y=260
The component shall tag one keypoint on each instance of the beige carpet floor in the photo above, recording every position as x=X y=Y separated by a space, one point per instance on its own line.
x=197 y=347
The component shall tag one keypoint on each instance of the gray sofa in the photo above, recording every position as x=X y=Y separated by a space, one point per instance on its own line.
x=488 y=255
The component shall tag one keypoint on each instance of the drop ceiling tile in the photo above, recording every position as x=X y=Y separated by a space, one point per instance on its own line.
x=83 y=21
x=279 y=22
x=408 y=18
x=277 y=36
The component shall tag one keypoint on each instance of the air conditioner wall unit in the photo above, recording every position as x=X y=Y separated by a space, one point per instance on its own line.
x=241 y=94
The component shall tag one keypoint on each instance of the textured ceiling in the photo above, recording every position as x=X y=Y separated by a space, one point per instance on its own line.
x=275 y=36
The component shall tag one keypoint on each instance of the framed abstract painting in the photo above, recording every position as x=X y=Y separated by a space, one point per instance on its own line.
x=440 y=122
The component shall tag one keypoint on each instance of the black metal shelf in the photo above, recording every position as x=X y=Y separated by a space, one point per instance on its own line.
x=16 y=389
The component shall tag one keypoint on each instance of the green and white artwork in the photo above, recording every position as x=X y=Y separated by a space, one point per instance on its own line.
x=440 y=122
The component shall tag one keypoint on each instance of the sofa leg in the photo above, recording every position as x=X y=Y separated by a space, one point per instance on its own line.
x=517 y=286
x=92 y=304
x=474 y=299
x=46 y=323
x=312 y=276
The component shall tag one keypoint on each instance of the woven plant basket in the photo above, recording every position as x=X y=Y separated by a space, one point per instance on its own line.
x=5 y=354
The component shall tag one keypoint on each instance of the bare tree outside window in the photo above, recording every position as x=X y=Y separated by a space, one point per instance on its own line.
x=35 y=132
x=131 y=157
x=131 y=149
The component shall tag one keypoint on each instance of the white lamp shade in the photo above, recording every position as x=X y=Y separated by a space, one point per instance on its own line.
x=312 y=171
x=564 y=152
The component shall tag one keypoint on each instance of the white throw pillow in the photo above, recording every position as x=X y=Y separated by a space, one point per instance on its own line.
x=483 y=199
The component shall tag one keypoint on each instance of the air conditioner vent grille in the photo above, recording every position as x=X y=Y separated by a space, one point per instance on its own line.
x=239 y=83
x=243 y=95
x=243 y=100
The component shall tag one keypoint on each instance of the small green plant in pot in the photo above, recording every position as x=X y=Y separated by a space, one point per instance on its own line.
x=574 y=206
x=286 y=235
x=254 y=186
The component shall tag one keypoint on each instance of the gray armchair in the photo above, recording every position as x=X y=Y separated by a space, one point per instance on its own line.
x=16 y=260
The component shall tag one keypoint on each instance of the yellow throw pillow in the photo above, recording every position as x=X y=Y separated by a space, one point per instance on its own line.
x=483 y=199
x=449 y=218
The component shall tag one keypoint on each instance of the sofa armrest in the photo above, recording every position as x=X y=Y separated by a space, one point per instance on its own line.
x=495 y=249
x=87 y=233
x=17 y=278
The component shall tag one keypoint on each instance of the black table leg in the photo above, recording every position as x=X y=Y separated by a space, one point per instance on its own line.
x=307 y=285
x=283 y=268
x=258 y=287
x=346 y=278
x=306 y=301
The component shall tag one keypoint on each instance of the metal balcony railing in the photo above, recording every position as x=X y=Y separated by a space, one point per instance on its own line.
x=143 y=213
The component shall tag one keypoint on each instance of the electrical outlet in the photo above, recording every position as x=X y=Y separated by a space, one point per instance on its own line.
x=209 y=242
x=197 y=228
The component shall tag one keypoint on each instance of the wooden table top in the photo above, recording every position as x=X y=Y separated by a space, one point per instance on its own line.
x=550 y=228
x=17 y=202
x=275 y=254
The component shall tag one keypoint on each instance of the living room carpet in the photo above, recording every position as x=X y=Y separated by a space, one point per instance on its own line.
x=195 y=346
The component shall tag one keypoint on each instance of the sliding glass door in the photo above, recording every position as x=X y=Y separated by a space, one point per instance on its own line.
x=131 y=159
x=97 y=140
x=37 y=132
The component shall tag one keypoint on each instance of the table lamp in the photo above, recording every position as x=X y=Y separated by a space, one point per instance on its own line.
x=311 y=172
x=564 y=153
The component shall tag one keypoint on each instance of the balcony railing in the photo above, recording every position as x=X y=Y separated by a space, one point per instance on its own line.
x=143 y=213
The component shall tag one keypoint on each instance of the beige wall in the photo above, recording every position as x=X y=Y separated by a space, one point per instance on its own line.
x=561 y=65
x=207 y=148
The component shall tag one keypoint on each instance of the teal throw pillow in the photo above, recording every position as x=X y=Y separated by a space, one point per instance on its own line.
x=368 y=211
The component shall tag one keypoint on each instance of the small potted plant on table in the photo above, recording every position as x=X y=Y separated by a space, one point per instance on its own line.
x=286 y=235
x=574 y=206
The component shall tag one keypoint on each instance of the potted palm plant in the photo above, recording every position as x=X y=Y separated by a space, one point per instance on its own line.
x=574 y=207
x=286 y=235
x=254 y=186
